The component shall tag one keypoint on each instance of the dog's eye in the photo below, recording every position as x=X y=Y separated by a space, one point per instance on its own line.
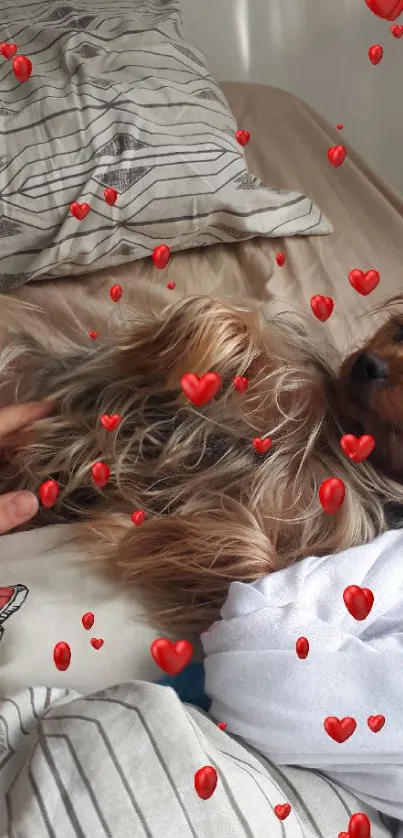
x=399 y=334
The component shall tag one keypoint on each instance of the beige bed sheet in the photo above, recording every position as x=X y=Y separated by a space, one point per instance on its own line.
x=288 y=149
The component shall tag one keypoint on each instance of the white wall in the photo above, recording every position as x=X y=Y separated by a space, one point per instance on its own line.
x=318 y=50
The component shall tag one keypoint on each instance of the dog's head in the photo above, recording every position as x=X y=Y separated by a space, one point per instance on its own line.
x=370 y=394
x=216 y=510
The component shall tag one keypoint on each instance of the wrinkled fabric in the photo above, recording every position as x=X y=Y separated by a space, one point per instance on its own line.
x=278 y=702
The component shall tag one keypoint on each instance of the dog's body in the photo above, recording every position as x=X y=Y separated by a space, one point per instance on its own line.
x=216 y=511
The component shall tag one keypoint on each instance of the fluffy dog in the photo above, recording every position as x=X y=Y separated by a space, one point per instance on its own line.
x=216 y=511
x=370 y=391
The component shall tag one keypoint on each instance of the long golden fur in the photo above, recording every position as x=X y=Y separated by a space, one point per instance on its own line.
x=216 y=511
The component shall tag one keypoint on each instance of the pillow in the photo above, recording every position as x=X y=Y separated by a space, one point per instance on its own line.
x=118 y=100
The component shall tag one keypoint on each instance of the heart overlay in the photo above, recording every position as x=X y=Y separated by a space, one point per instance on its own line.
x=11 y=599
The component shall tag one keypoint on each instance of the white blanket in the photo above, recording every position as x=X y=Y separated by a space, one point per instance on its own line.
x=278 y=702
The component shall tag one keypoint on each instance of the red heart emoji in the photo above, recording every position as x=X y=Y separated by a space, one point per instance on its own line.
x=357 y=448
x=396 y=30
x=222 y=725
x=171 y=285
x=339 y=729
x=375 y=54
x=363 y=283
x=62 y=656
x=376 y=723
x=110 y=423
x=242 y=137
x=79 y=210
x=282 y=810
x=331 y=495
x=49 y=493
x=8 y=50
x=339 y=126
x=386 y=9
x=88 y=620
x=171 y=657
x=93 y=334
x=201 y=389
x=241 y=383
x=161 y=256
x=322 y=307
x=280 y=258
x=22 y=67
x=302 y=648
x=358 y=601
x=100 y=474
x=110 y=196
x=115 y=293
x=337 y=155
x=205 y=781
x=96 y=642
x=261 y=445
x=359 y=826
x=138 y=517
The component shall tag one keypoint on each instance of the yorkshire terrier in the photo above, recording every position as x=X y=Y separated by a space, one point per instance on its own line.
x=215 y=509
x=370 y=393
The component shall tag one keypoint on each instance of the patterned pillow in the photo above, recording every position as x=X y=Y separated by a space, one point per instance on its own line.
x=117 y=100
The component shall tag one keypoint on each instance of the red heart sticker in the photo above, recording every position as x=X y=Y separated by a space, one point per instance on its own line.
x=22 y=67
x=331 y=495
x=201 y=389
x=376 y=723
x=161 y=256
x=49 y=493
x=171 y=285
x=241 y=383
x=96 y=643
x=115 y=293
x=282 y=810
x=280 y=258
x=8 y=50
x=375 y=54
x=110 y=196
x=171 y=657
x=359 y=826
x=322 y=307
x=339 y=729
x=261 y=445
x=302 y=648
x=357 y=448
x=340 y=126
x=337 y=155
x=93 y=334
x=362 y=282
x=358 y=601
x=396 y=30
x=80 y=211
x=110 y=423
x=138 y=517
x=386 y=9
x=100 y=474
x=88 y=620
x=222 y=725
x=205 y=781
x=242 y=137
x=62 y=656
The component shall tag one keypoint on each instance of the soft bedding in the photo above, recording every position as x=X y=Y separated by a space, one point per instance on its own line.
x=121 y=119
x=288 y=149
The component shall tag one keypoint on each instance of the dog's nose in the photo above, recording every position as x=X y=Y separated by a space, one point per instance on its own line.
x=368 y=367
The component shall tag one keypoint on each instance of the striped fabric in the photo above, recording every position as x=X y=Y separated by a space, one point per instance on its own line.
x=118 y=99
x=121 y=763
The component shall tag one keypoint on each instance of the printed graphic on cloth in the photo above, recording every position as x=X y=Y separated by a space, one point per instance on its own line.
x=11 y=599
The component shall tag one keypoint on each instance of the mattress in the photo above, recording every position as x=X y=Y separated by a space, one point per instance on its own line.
x=288 y=149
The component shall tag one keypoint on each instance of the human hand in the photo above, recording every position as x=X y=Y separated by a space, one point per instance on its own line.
x=16 y=508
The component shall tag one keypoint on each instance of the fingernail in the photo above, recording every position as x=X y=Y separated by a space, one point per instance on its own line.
x=23 y=505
